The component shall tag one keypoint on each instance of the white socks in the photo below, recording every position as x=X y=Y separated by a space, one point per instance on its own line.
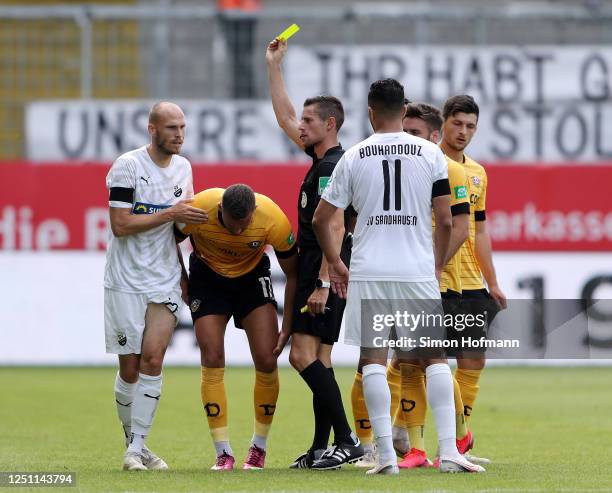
x=146 y=400
x=378 y=401
x=259 y=441
x=441 y=400
x=124 y=396
x=223 y=446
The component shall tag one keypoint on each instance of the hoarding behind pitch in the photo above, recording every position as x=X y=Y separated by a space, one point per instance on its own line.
x=537 y=104
x=529 y=207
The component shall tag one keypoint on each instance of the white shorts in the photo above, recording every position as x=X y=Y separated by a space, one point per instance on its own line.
x=392 y=296
x=124 y=317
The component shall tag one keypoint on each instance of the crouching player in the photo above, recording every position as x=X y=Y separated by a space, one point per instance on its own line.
x=229 y=276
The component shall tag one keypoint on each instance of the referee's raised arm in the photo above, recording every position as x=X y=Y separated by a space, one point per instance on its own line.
x=283 y=108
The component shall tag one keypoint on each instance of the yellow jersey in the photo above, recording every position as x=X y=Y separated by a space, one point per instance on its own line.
x=460 y=203
x=235 y=255
x=471 y=276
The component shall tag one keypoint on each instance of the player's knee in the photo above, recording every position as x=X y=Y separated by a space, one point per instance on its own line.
x=129 y=375
x=266 y=364
x=294 y=361
x=472 y=363
x=151 y=364
x=298 y=359
x=326 y=360
x=213 y=358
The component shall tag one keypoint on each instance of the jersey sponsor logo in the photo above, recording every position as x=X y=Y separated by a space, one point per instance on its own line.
x=178 y=191
x=290 y=239
x=254 y=244
x=460 y=192
x=146 y=180
x=194 y=305
x=142 y=208
x=474 y=198
x=304 y=201
x=121 y=339
x=476 y=181
x=323 y=182
x=229 y=252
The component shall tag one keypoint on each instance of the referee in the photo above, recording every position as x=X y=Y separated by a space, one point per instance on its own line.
x=317 y=312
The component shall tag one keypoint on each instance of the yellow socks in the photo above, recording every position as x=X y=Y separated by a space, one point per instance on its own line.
x=415 y=408
x=363 y=429
x=468 y=385
x=265 y=396
x=214 y=401
x=394 y=379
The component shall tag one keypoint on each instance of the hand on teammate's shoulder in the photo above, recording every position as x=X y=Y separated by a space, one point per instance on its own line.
x=185 y=213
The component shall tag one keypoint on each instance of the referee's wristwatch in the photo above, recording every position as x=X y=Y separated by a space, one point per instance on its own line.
x=322 y=284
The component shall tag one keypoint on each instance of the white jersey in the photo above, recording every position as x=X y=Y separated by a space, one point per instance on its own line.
x=388 y=179
x=145 y=262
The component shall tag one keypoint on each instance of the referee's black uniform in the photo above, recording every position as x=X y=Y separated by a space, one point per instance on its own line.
x=326 y=326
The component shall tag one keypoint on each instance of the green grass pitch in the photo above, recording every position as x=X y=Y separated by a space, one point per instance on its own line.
x=547 y=429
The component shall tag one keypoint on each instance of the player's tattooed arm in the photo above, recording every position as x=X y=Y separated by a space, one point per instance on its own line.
x=283 y=108
x=484 y=256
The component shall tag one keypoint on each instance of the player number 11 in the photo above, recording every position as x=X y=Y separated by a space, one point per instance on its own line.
x=397 y=188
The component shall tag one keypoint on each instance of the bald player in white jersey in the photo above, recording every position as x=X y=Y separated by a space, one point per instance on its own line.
x=393 y=181
x=144 y=281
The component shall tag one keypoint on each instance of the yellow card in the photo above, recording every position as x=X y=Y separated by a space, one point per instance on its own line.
x=306 y=309
x=287 y=33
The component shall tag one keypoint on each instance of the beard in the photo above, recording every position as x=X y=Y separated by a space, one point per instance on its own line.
x=457 y=146
x=162 y=145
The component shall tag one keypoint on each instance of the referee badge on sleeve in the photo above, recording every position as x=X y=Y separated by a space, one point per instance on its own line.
x=323 y=182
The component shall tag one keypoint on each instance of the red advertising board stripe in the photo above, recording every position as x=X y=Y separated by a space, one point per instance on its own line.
x=529 y=207
x=56 y=206
x=545 y=207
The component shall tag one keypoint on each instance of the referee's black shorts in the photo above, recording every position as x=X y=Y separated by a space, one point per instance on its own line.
x=211 y=293
x=326 y=326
